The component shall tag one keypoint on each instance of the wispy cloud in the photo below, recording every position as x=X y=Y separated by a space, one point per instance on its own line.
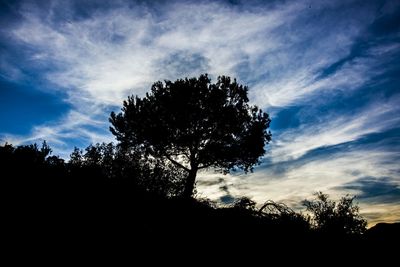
x=336 y=174
x=375 y=189
x=74 y=126
x=113 y=52
x=335 y=128
x=123 y=50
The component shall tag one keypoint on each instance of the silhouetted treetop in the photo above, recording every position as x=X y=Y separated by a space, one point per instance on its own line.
x=194 y=124
x=336 y=218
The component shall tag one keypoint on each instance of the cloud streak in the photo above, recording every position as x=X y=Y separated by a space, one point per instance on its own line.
x=114 y=52
x=77 y=127
x=336 y=174
x=336 y=128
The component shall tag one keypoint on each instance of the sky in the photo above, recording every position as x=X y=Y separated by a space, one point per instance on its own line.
x=327 y=72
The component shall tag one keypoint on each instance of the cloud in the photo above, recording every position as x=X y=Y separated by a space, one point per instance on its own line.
x=120 y=50
x=80 y=128
x=375 y=189
x=100 y=55
x=9 y=71
x=335 y=128
x=378 y=213
x=336 y=174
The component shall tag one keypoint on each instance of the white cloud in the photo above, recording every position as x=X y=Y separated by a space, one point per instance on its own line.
x=122 y=50
x=324 y=174
x=333 y=129
x=73 y=126
x=378 y=213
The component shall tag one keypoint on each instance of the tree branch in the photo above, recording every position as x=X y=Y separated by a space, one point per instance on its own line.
x=171 y=159
x=177 y=163
x=205 y=166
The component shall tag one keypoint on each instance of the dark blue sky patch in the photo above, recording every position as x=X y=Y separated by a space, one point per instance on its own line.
x=286 y=118
x=387 y=23
x=23 y=107
x=390 y=139
x=227 y=199
x=9 y=14
x=386 y=84
x=18 y=66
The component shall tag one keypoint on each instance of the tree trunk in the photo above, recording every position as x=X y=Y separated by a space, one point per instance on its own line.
x=189 y=185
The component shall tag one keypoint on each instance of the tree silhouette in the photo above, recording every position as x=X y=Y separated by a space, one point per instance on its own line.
x=194 y=124
x=336 y=218
x=105 y=163
x=99 y=186
x=76 y=158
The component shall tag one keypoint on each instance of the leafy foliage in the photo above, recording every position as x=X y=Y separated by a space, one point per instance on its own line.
x=194 y=124
x=112 y=164
x=245 y=203
x=336 y=218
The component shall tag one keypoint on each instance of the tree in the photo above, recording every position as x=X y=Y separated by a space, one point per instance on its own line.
x=31 y=154
x=336 y=218
x=93 y=155
x=194 y=124
x=76 y=158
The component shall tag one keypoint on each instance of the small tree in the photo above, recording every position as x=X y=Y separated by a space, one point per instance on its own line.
x=194 y=125
x=336 y=218
x=76 y=158
x=31 y=154
x=93 y=155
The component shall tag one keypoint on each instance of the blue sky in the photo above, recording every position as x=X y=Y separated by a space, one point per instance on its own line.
x=327 y=72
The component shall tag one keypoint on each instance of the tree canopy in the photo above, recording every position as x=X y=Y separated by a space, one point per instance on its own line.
x=194 y=124
x=336 y=218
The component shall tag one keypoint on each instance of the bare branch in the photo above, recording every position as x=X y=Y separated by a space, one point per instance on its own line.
x=177 y=163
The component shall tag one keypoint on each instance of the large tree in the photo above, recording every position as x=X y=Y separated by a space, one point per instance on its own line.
x=194 y=124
